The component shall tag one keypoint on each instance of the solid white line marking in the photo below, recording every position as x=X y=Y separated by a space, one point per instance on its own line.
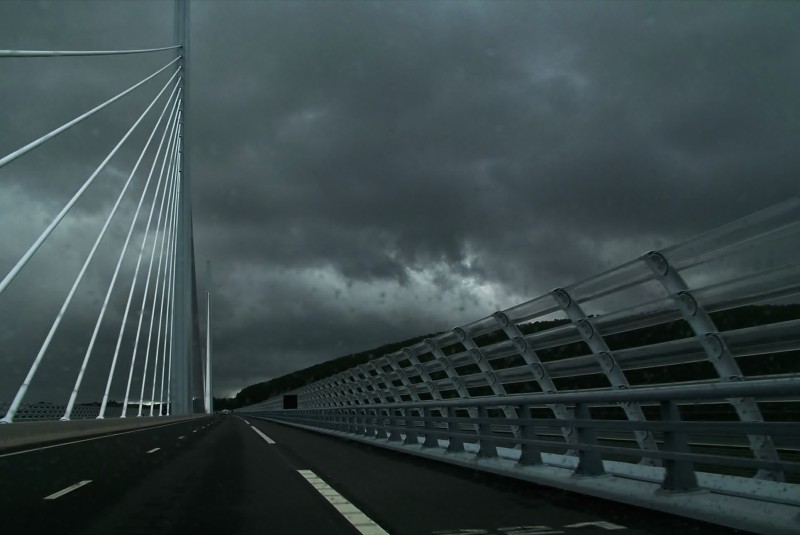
x=154 y=450
x=60 y=493
x=265 y=437
x=364 y=524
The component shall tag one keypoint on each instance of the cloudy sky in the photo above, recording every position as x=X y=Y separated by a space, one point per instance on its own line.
x=364 y=172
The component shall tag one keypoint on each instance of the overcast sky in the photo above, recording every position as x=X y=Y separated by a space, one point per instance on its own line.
x=365 y=172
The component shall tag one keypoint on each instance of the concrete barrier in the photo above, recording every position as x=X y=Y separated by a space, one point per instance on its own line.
x=29 y=433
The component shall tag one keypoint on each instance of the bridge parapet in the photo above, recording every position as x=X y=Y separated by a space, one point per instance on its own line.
x=606 y=463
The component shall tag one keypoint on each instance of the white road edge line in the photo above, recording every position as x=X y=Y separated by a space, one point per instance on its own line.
x=265 y=437
x=363 y=524
x=154 y=450
x=60 y=493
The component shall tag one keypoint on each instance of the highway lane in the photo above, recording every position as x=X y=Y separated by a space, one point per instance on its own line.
x=230 y=481
x=109 y=462
x=226 y=474
x=414 y=496
x=209 y=475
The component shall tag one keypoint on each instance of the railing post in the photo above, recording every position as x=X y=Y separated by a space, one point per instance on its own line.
x=680 y=475
x=491 y=378
x=538 y=369
x=530 y=454
x=321 y=417
x=430 y=436
x=590 y=462
x=370 y=422
x=411 y=431
x=351 y=423
x=341 y=421
x=380 y=424
x=452 y=374
x=487 y=446
x=403 y=376
x=456 y=444
x=363 y=428
x=366 y=427
x=394 y=432
x=608 y=364
x=717 y=352
x=443 y=361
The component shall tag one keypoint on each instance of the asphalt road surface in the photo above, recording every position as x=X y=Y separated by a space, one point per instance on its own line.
x=229 y=475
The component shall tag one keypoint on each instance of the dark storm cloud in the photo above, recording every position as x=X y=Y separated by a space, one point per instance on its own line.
x=365 y=172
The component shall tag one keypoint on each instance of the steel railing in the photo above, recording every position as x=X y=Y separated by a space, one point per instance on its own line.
x=677 y=368
x=447 y=430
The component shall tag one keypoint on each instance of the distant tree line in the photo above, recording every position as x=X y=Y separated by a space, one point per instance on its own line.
x=273 y=387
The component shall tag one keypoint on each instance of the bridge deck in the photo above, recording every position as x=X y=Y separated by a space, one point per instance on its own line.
x=220 y=475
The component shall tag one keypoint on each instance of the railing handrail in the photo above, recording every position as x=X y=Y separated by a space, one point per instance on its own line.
x=73 y=53
x=762 y=389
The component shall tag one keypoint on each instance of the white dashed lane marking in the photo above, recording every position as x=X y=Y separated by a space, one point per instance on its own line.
x=67 y=490
x=154 y=450
x=364 y=524
x=262 y=435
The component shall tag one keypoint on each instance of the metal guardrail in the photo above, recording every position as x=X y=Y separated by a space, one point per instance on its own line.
x=596 y=463
x=451 y=421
